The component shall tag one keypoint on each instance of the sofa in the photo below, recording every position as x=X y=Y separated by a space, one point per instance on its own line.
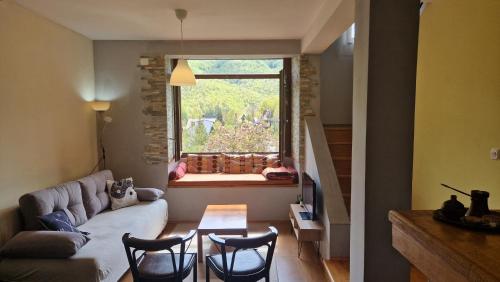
x=87 y=204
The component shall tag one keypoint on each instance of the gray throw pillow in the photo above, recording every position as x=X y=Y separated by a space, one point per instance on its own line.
x=149 y=194
x=43 y=244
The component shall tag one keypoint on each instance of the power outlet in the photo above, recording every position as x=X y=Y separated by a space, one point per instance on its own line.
x=494 y=153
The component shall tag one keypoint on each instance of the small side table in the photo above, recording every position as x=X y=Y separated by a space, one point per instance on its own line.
x=305 y=230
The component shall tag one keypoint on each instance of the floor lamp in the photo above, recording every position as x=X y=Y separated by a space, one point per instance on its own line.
x=100 y=107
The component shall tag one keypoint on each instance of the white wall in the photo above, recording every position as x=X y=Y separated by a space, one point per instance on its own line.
x=48 y=130
x=267 y=203
x=331 y=207
x=336 y=83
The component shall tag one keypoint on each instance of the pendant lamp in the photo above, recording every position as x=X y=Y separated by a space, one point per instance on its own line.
x=182 y=75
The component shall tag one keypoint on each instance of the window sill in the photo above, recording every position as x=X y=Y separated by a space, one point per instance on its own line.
x=223 y=180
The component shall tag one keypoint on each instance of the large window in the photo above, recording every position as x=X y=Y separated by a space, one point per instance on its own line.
x=237 y=106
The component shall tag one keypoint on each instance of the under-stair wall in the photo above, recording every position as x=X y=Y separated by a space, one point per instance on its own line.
x=332 y=209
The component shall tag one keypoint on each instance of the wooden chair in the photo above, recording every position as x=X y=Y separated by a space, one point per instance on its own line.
x=244 y=263
x=153 y=265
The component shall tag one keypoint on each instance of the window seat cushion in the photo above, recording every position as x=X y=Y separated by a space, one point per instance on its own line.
x=227 y=180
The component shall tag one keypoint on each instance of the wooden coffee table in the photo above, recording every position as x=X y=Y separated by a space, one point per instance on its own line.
x=222 y=220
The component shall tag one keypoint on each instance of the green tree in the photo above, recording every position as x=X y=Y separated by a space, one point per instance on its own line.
x=246 y=137
x=227 y=101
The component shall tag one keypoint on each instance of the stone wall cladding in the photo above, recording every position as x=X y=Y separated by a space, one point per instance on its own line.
x=155 y=109
x=305 y=87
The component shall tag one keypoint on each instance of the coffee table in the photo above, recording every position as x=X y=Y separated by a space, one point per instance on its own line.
x=222 y=220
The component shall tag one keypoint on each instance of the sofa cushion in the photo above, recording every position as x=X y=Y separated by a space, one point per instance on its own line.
x=197 y=163
x=122 y=193
x=218 y=180
x=149 y=194
x=65 y=197
x=58 y=221
x=95 y=197
x=263 y=161
x=179 y=171
x=43 y=244
x=238 y=163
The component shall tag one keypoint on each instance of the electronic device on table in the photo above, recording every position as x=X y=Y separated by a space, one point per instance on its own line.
x=309 y=198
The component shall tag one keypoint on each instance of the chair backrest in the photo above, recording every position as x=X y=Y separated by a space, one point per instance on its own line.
x=135 y=245
x=268 y=240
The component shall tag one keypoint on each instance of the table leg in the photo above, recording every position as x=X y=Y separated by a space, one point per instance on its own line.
x=299 y=248
x=200 y=247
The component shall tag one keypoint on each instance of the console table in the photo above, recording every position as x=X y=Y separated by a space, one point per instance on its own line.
x=305 y=230
x=444 y=252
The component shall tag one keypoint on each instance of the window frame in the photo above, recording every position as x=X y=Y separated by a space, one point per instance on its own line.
x=284 y=108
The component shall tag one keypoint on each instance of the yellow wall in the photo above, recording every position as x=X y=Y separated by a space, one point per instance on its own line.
x=47 y=130
x=458 y=101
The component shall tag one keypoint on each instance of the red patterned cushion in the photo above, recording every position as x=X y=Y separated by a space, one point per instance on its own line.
x=178 y=172
x=238 y=163
x=261 y=162
x=202 y=163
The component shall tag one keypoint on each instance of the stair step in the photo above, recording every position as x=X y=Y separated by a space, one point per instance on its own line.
x=341 y=158
x=340 y=150
x=342 y=166
x=345 y=184
x=339 y=139
x=338 y=133
x=338 y=143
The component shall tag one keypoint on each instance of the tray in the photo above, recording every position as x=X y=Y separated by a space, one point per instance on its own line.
x=481 y=226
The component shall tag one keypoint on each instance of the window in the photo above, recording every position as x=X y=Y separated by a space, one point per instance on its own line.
x=237 y=106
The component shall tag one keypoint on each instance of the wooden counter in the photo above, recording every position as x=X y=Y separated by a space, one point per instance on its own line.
x=443 y=252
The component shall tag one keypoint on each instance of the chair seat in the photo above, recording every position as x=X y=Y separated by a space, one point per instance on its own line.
x=155 y=265
x=246 y=262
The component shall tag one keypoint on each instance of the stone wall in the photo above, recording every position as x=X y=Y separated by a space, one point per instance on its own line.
x=155 y=108
x=305 y=100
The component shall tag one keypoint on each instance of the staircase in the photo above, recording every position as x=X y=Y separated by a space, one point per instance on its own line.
x=339 y=139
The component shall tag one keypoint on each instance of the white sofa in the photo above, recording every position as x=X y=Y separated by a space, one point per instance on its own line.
x=103 y=258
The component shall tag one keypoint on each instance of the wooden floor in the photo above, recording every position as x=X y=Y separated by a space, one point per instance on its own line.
x=337 y=269
x=286 y=266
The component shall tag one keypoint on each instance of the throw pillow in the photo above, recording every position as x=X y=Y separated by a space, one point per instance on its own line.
x=43 y=244
x=58 y=221
x=202 y=163
x=122 y=193
x=238 y=163
x=149 y=194
x=178 y=172
x=261 y=162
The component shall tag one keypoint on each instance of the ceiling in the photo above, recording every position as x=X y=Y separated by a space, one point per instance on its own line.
x=207 y=19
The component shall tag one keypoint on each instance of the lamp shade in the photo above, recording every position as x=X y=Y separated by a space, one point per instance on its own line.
x=100 y=106
x=182 y=75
